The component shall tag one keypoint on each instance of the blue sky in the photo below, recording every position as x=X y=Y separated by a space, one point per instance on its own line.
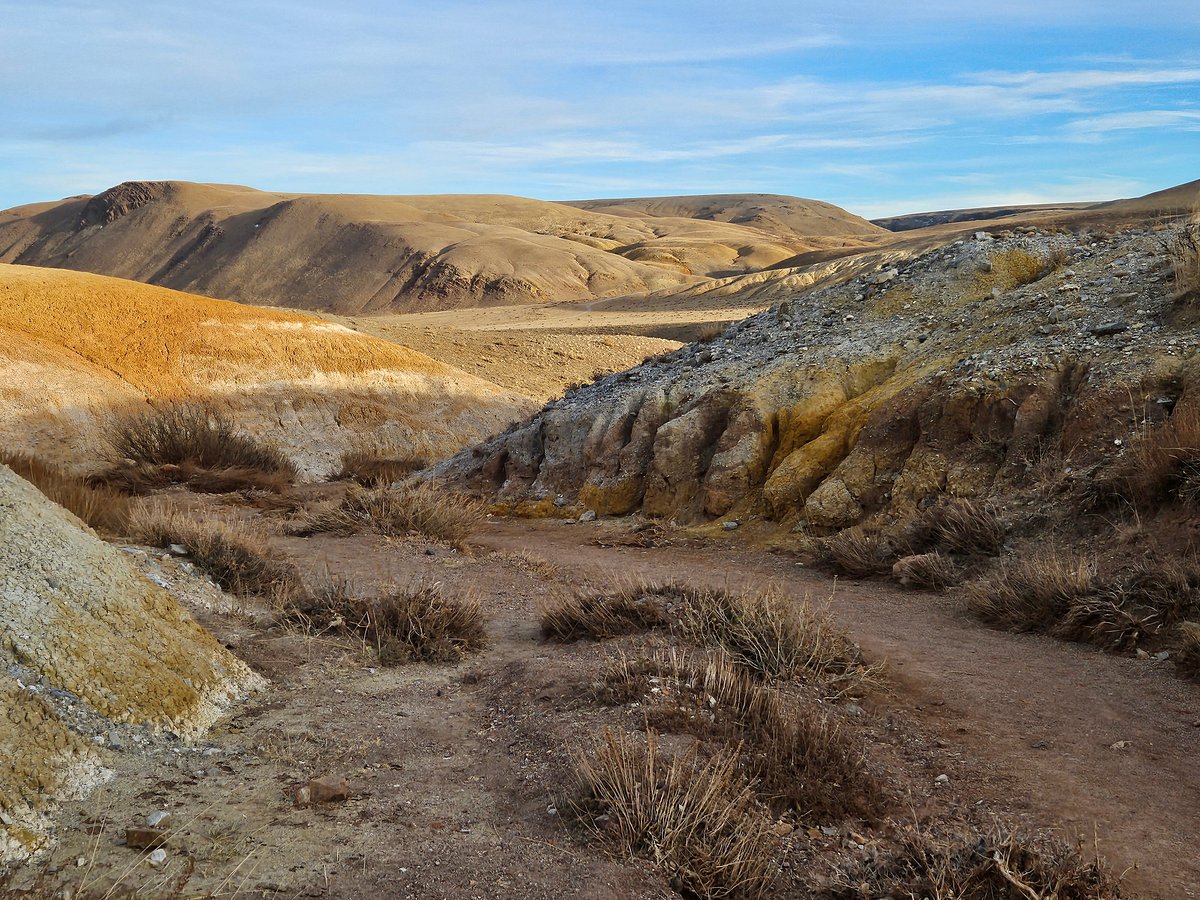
x=879 y=107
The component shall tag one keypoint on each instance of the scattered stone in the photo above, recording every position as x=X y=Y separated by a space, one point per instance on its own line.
x=730 y=526
x=589 y=515
x=157 y=858
x=1110 y=328
x=1121 y=745
x=329 y=789
x=177 y=550
x=144 y=837
x=302 y=797
x=942 y=779
x=158 y=818
x=783 y=829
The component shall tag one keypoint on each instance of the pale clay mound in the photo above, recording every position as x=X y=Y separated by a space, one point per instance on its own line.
x=354 y=254
x=75 y=348
x=83 y=637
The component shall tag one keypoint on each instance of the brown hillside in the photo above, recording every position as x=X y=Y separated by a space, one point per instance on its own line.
x=76 y=347
x=367 y=254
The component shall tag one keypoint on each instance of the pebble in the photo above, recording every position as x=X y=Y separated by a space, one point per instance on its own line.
x=730 y=526
x=157 y=858
x=942 y=779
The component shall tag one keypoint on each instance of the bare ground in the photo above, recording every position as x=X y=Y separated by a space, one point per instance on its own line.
x=456 y=771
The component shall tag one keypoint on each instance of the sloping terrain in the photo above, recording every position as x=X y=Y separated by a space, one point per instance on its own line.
x=941 y=376
x=92 y=656
x=75 y=348
x=356 y=254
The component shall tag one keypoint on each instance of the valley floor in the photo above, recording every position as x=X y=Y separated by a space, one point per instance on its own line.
x=455 y=771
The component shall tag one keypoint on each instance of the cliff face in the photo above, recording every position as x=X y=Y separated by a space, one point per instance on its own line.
x=954 y=373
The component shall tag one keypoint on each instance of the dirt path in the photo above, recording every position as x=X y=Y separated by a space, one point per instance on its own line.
x=1035 y=718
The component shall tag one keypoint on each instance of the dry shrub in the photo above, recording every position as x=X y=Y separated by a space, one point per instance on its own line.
x=193 y=445
x=1187 y=657
x=101 y=508
x=1069 y=599
x=1014 y=268
x=798 y=756
x=858 y=552
x=417 y=623
x=378 y=463
x=235 y=556
x=1164 y=461
x=571 y=617
x=709 y=332
x=696 y=820
x=927 y=571
x=1183 y=250
x=423 y=508
x=527 y=562
x=969 y=527
x=767 y=633
x=997 y=863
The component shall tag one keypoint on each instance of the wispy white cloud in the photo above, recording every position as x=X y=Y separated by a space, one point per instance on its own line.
x=1099 y=126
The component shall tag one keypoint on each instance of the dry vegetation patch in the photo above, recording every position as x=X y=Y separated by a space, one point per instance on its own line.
x=418 y=623
x=100 y=507
x=996 y=863
x=1187 y=657
x=425 y=509
x=768 y=633
x=193 y=445
x=376 y=464
x=696 y=819
x=1016 y=267
x=1183 y=251
x=235 y=555
x=1164 y=462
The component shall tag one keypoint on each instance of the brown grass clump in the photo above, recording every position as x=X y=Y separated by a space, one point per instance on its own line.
x=1187 y=657
x=858 y=552
x=766 y=633
x=193 y=445
x=414 y=624
x=969 y=527
x=996 y=863
x=235 y=556
x=423 y=508
x=1033 y=593
x=378 y=464
x=798 y=755
x=926 y=571
x=101 y=508
x=1164 y=462
x=1183 y=250
x=696 y=820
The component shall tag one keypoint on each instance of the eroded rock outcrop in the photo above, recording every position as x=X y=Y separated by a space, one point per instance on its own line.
x=871 y=397
x=83 y=636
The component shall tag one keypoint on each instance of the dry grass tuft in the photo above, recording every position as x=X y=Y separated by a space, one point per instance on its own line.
x=858 y=552
x=424 y=508
x=380 y=463
x=1183 y=250
x=101 y=508
x=969 y=527
x=1187 y=657
x=414 y=624
x=926 y=571
x=1164 y=462
x=696 y=820
x=235 y=556
x=1031 y=594
x=193 y=445
x=994 y=864
x=798 y=756
x=766 y=633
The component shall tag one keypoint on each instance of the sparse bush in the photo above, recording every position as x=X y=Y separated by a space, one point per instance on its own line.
x=994 y=864
x=380 y=463
x=101 y=508
x=768 y=634
x=1164 y=461
x=696 y=820
x=969 y=527
x=858 y=552
x=237 y=557
x=195 y=446
x=418 y=623
x=1183 y=250
x=424 y=508
x=709 y=332
x=796 y=753
x=927 y=571
x=1187 y=657
x=1031 y=594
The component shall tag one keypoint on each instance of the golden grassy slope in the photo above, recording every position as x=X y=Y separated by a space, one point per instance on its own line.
x=78 y=346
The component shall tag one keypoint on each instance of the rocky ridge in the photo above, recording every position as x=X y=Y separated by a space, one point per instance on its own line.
x=942 y=374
